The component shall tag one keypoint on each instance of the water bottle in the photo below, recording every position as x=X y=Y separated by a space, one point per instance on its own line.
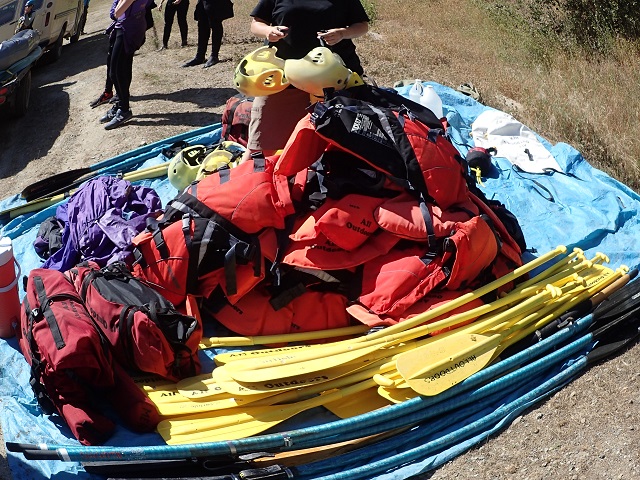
x=431 y=100
x=416 y=91
x=9 y=300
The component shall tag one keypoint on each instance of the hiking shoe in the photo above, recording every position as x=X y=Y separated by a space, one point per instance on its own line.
x=211 y=62
x=102 y=99
x=193 y=62
x=114 y=99
x=119 y=119
x=111 y=113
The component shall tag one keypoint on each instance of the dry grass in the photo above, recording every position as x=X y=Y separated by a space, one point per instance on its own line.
x=593 y=105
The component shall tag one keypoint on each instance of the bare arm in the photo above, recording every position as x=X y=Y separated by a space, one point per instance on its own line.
x=336 y=35
x=122 y=7
x=262 y=29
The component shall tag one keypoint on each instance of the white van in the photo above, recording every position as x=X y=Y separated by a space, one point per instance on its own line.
x=55 y=20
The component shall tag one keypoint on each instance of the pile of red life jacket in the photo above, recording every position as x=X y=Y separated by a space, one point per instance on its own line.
x=368 y=210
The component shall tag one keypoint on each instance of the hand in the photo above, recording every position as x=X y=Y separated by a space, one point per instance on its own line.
x=276 y=33
x=333 y=36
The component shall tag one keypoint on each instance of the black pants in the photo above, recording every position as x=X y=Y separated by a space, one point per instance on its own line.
x=209 y=26
x=171 y=10
x=121 y=70
x=108 y=84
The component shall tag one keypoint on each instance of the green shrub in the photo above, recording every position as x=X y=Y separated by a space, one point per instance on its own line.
x=588 y=24
x=370 y=8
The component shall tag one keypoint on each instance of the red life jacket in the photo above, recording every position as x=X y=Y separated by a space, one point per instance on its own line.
x=347 y=222
x=196 y=255
x=254 y=314
x=430 y=301
x=249 y=196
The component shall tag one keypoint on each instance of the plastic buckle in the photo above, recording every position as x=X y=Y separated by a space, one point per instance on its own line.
x=272 y=472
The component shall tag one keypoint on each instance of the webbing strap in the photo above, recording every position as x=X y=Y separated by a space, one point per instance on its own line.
x=49 y=316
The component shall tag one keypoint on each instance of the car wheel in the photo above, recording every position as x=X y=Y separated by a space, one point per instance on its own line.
x=81 y=24
x=57 y=48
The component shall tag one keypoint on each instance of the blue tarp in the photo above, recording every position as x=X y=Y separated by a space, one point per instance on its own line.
x=579 y=207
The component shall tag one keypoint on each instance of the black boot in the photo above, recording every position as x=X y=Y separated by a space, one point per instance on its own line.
x=211 y=62
x=194 y=61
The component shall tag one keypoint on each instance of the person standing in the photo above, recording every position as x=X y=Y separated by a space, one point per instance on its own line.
x=174 y=8
x=210 y=14
x=129 y=31
x=295 y=27
x=26 y=20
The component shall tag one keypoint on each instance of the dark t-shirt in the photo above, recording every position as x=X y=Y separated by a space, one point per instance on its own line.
x=307 y=17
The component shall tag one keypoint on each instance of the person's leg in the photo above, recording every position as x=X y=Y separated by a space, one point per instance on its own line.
x=203 y=40
x=169 y=14
x=121 y=72
x=108 y=85
x=217 y=31
x=204 y=32
x=181 y=12
x=107 y=94
x=273 y=120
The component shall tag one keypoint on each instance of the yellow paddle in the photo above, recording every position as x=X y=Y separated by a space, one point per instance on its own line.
x=213 y=342
x=458 y=357
x=364 y=402
x=225 y=381
x=190 y=407
x=42 y=203
x=268 y=369
x=248 y=421
x=309 y=356
x=394 y=388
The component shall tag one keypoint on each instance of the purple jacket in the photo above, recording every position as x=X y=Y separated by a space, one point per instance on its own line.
x=101 y=219
x=133 y=23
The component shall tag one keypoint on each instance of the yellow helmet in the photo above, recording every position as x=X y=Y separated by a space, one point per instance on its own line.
x=319 y=69
x=354 y=80
x=226 y=153
x=260 y=73
x=184 y=166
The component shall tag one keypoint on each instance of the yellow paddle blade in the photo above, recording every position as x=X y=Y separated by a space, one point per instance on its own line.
x=226 y=379
x=245 y=422
x=353 y=405
x=190 y=407
x=456 y=357
x=450 y=361
x=201 y=387
x=167 y=396
x=153 y=382
x=396 y=395
x=228 y=357
x=363 y=353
